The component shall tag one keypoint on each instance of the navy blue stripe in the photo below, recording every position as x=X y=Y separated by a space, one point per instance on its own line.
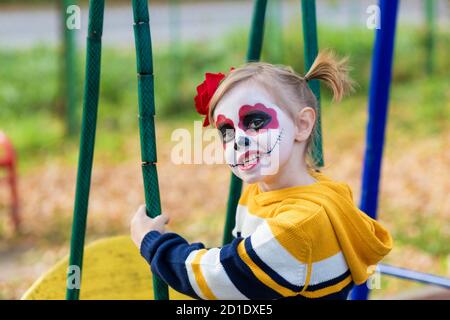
x=268 y=270
x=328 y=283
x=340 y=295
x=166 y=253
x=241 y=275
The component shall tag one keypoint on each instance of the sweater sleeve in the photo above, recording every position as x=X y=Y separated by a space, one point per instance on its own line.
x=269 y=264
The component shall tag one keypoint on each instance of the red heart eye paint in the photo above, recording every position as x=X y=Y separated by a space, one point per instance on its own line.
x=226 y=127
x=257 y=119
x=221 y=120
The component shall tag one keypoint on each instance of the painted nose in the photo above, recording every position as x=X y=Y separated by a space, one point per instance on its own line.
x=242 y=141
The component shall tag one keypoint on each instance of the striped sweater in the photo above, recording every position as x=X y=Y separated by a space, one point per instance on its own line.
x=304 y=241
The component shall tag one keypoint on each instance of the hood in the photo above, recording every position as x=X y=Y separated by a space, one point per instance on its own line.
x=363 y=240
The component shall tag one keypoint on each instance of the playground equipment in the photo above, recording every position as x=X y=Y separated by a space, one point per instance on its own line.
x=113 y=270
x=8 y=162
x=378 y=106
x=117 y=256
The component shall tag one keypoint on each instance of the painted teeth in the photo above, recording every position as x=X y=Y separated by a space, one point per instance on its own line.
x=251 y=159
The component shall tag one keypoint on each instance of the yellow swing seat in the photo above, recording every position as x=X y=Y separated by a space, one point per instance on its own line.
x=112 y=270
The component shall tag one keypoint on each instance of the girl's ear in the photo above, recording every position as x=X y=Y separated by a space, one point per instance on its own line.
x=304 y=123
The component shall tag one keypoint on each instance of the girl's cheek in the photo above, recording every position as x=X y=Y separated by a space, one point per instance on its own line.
x=229 y=154
x=254 y=133
x=267 y=138
x=227 y=145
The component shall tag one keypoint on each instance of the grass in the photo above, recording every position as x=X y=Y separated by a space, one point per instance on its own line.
x=30 y=83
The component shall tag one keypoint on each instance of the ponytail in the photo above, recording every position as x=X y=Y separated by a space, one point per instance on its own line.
x=333 y=72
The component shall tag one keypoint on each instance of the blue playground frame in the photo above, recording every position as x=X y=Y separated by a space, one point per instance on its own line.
x=380 y=82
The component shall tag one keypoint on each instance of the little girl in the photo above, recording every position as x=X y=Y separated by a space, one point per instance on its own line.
x=298 y=232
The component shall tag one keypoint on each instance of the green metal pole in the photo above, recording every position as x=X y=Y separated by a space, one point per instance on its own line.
x=87 y=141
x=311 y=51
x=430 y=13
x=144 y=64
x=253 y=54
x=69 y=77
x=257 y=31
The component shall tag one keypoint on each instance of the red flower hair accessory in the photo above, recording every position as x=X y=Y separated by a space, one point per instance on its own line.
x=205 y=91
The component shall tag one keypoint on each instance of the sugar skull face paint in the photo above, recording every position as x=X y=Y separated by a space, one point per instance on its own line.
x=226 y=128
x=257 y=118
x=257 y=135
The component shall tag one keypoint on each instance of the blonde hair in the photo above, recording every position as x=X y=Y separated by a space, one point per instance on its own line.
x=296 y=92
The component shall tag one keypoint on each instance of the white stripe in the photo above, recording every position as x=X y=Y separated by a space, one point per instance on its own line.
x=272 y=253
x=191 y=275
x=216 y=277
x=239 y=218
x=328 y=268
x=246 y=222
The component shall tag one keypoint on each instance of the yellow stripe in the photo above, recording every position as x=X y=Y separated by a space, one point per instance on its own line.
x=201 y=281
x=328 y=290
x=261 y=275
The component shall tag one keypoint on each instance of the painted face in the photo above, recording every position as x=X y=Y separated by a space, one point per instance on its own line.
x=257 y=135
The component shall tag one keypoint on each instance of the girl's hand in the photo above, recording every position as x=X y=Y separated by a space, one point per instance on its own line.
x=141 y=224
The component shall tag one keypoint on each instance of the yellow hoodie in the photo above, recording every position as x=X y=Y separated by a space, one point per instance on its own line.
x=304 y=241
x=326 y=231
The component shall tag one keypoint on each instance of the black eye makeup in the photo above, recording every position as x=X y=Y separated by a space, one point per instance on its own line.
x=226 y=132
x=255 y=120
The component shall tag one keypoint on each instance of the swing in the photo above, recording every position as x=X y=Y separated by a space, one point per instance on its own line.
x=115 y=263
x=113 y=270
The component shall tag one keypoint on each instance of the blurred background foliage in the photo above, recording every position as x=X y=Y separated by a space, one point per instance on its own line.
x=30 y=81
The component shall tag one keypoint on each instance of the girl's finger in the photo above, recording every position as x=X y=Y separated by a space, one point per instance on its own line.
x=163 y=218
x=142 y=210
